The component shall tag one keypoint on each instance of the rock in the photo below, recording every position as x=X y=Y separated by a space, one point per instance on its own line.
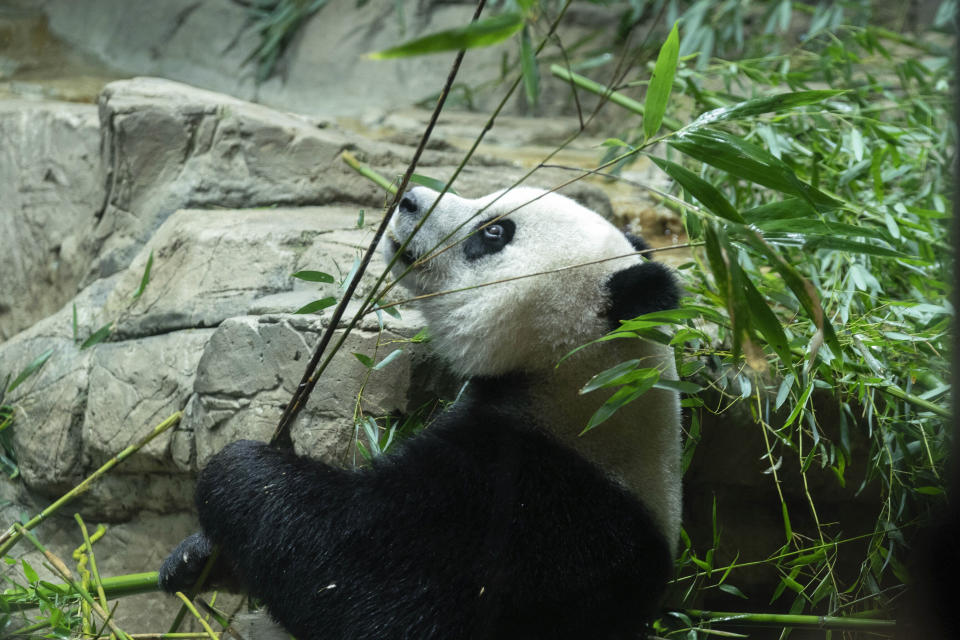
x=168 y=146
x=50 y=404
x=133 y=386
x=210 y=265
x=52 y=186
x=325 y=69
x=253 y=365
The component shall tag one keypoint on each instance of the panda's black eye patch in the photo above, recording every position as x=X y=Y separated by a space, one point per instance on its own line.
x=489 y=237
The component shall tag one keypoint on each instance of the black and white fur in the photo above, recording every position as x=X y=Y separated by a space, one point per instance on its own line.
x=500 y=520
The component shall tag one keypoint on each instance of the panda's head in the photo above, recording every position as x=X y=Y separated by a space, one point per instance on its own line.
x=588 y=276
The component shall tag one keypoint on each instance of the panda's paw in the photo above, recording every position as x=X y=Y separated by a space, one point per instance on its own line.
x=184 y=565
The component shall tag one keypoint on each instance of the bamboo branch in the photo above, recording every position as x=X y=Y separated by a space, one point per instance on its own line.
x=848 y=623
x=11 y=537
x=614 y=96
x=368 y=173
x=115 y=587
x=915 y=400
x=64 y=572
x=196 y=614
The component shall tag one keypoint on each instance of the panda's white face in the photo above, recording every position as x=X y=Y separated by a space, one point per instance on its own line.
x=523 y=324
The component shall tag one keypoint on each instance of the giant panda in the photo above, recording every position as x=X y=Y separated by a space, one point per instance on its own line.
x=500 y=520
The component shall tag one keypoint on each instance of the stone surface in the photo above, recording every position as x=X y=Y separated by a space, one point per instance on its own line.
x=252 y=366
x=209 y=265
x=325 y=69
x=52 y=186
x=168 y=146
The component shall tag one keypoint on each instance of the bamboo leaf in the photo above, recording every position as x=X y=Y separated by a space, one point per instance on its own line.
x=609 y=376
x=313 y=276
x=97 y=337
x=767 y=323
x=845 y=244
x=661 y=84
x=481 y=33
x=366 y=360
x=732 y=590
x=804 y=291
x=431 y=183
x=75 y=325
x=745 y=160
x=393 y=355
x=29 y=573
x=782 y=210
x=30 y=369
x=700 y=189
x=528 y=66
x=145 y=279
x=768 y=104
x=623 y=396
x=317 y=305
x=682 y=386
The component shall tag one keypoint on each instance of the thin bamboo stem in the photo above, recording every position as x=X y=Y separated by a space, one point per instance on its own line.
x=11 y=536
x=796 y=621
x=614 y=96
x=196 y=614
x=314 y=368
x=113 y=587
x=64 y=572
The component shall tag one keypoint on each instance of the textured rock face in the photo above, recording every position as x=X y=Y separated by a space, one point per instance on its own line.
x=207 y=43
x=167 y=146
x=52 y=188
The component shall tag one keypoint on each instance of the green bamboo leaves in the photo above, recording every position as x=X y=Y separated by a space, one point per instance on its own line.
x=661 y=83
x=528 y=66
x=481 y=33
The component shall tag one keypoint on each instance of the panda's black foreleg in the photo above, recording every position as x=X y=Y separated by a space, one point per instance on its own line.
x=479 y=529
x=183 y=567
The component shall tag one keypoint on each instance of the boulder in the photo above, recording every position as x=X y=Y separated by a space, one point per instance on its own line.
x=52 y=188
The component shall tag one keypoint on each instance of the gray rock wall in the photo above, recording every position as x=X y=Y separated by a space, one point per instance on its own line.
x=52 y=185
x=325 y=69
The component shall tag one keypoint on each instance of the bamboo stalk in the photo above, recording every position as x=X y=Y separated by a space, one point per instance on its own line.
x=115 y=587
x=368 y=173
x=196 y=614
x=11 y=537
x=94 y=573
x=797 y=621
x=64 y=572
x=164 y=636
x=916 y=401
x=613 y=96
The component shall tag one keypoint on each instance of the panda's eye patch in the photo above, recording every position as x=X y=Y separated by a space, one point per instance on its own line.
x=489 y=237
x=408 y=205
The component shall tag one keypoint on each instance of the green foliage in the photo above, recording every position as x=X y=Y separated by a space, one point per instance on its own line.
x=277 y=22
x=812 y=180
x=661 y=84
x=822 y=270
x=482 y=33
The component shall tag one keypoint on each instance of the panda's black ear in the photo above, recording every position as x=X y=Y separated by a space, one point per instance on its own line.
x=641 y=288
x=639 y=244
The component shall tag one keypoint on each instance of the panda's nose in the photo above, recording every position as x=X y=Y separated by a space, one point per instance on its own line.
x=408 y=205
